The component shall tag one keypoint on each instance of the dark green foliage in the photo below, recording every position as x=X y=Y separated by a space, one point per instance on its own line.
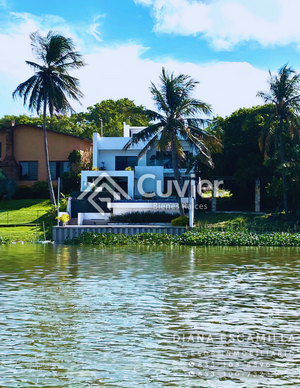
x=23 y=192
x=74 y=157
x=241 y=159
x=180 y=221
x=144 y=217
x=7 y=186
x=40 y=190
x=70 y=182
x=207 y=237
x=113 y=114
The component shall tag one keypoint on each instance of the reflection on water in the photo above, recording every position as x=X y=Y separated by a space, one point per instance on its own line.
x=152 y=317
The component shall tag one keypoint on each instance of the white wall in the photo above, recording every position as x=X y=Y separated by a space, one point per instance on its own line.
x=128 y=207
x=109 y=158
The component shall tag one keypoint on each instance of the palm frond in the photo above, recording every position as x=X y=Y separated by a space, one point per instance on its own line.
x=145 y=135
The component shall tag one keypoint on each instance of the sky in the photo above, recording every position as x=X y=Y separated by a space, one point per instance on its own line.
x=227 y=45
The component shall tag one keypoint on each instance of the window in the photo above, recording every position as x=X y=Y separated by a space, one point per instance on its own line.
x=58 y=168
x=29 y=171
x=0 y=150
x=125 y=161
x=164 y=159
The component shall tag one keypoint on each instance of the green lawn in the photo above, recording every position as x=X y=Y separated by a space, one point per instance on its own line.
x=23 y=211
x=266 y=222
x=21 y=233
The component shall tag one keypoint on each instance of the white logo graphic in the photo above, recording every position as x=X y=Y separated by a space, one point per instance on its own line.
x=111 y=187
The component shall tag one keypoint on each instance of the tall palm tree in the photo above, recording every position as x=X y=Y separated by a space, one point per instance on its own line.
x=51 y=85
x=283 y=122
x=179 y=119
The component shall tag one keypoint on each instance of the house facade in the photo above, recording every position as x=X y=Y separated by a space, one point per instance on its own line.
x=22 y=154
x=144 y=178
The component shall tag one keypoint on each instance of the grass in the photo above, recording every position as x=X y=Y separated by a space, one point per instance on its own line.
x=252 y=222
x=20 y=212
x=23 y=211
x=20 y=233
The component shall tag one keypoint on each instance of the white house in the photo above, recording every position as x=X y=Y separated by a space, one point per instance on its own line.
x=140 y=185
x=109 y=156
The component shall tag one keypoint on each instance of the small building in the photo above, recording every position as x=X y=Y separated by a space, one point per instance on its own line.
x=22 y=155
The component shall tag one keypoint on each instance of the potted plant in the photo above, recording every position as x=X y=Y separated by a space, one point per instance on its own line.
x=63 y=219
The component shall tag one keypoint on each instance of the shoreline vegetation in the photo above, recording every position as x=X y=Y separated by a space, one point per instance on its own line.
x=205 y=237
x=22 y=222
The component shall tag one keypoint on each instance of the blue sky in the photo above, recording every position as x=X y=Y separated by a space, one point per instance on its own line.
x=228 y=45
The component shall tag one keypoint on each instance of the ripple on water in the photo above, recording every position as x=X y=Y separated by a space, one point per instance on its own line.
x=152 y=317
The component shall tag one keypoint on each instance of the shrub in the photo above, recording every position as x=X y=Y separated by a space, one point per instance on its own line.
x=180 y=221
x=75 y=160
x=74 y=157
x=7 y=186
x=143 y=217
x=70 y=182
x=40 y=190
x=23 y=192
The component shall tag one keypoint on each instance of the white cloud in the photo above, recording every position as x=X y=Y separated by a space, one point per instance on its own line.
x=225 y=23
x=144 y=2
x=94 y=28
x=118 y=72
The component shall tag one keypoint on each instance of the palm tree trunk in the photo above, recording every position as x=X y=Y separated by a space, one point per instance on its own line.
x=50 y=186
x=285 y=202
x=176 y=173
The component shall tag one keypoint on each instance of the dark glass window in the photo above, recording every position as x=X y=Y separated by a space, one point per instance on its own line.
x=29 y=171
x=125 y=161
x=58 y=168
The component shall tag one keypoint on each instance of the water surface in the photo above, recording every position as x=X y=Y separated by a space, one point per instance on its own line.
x=149 y=317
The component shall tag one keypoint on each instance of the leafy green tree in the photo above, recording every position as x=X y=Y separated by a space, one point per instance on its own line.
x=241 y=161
x=283 y=122
x=179 y=119
x=51 y=85
x=113 y=114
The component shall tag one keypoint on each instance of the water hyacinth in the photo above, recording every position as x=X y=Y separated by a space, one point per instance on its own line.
x=206 y=237
x=3 y=240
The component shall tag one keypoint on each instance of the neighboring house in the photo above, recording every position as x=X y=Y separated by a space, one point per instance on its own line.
x=109 y=155
x=22 y=154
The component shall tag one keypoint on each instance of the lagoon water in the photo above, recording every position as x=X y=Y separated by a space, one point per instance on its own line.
x=149 y=317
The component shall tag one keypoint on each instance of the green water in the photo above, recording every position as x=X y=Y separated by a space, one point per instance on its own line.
x=139 y=317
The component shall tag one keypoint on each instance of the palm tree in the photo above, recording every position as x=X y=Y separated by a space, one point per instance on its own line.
x=179 y=119
x=283 y=122
x=51 y=85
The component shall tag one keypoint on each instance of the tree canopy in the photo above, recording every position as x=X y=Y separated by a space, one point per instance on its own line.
x=113 y=114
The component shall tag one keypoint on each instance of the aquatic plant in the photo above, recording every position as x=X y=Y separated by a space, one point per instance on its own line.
x=206 y=237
